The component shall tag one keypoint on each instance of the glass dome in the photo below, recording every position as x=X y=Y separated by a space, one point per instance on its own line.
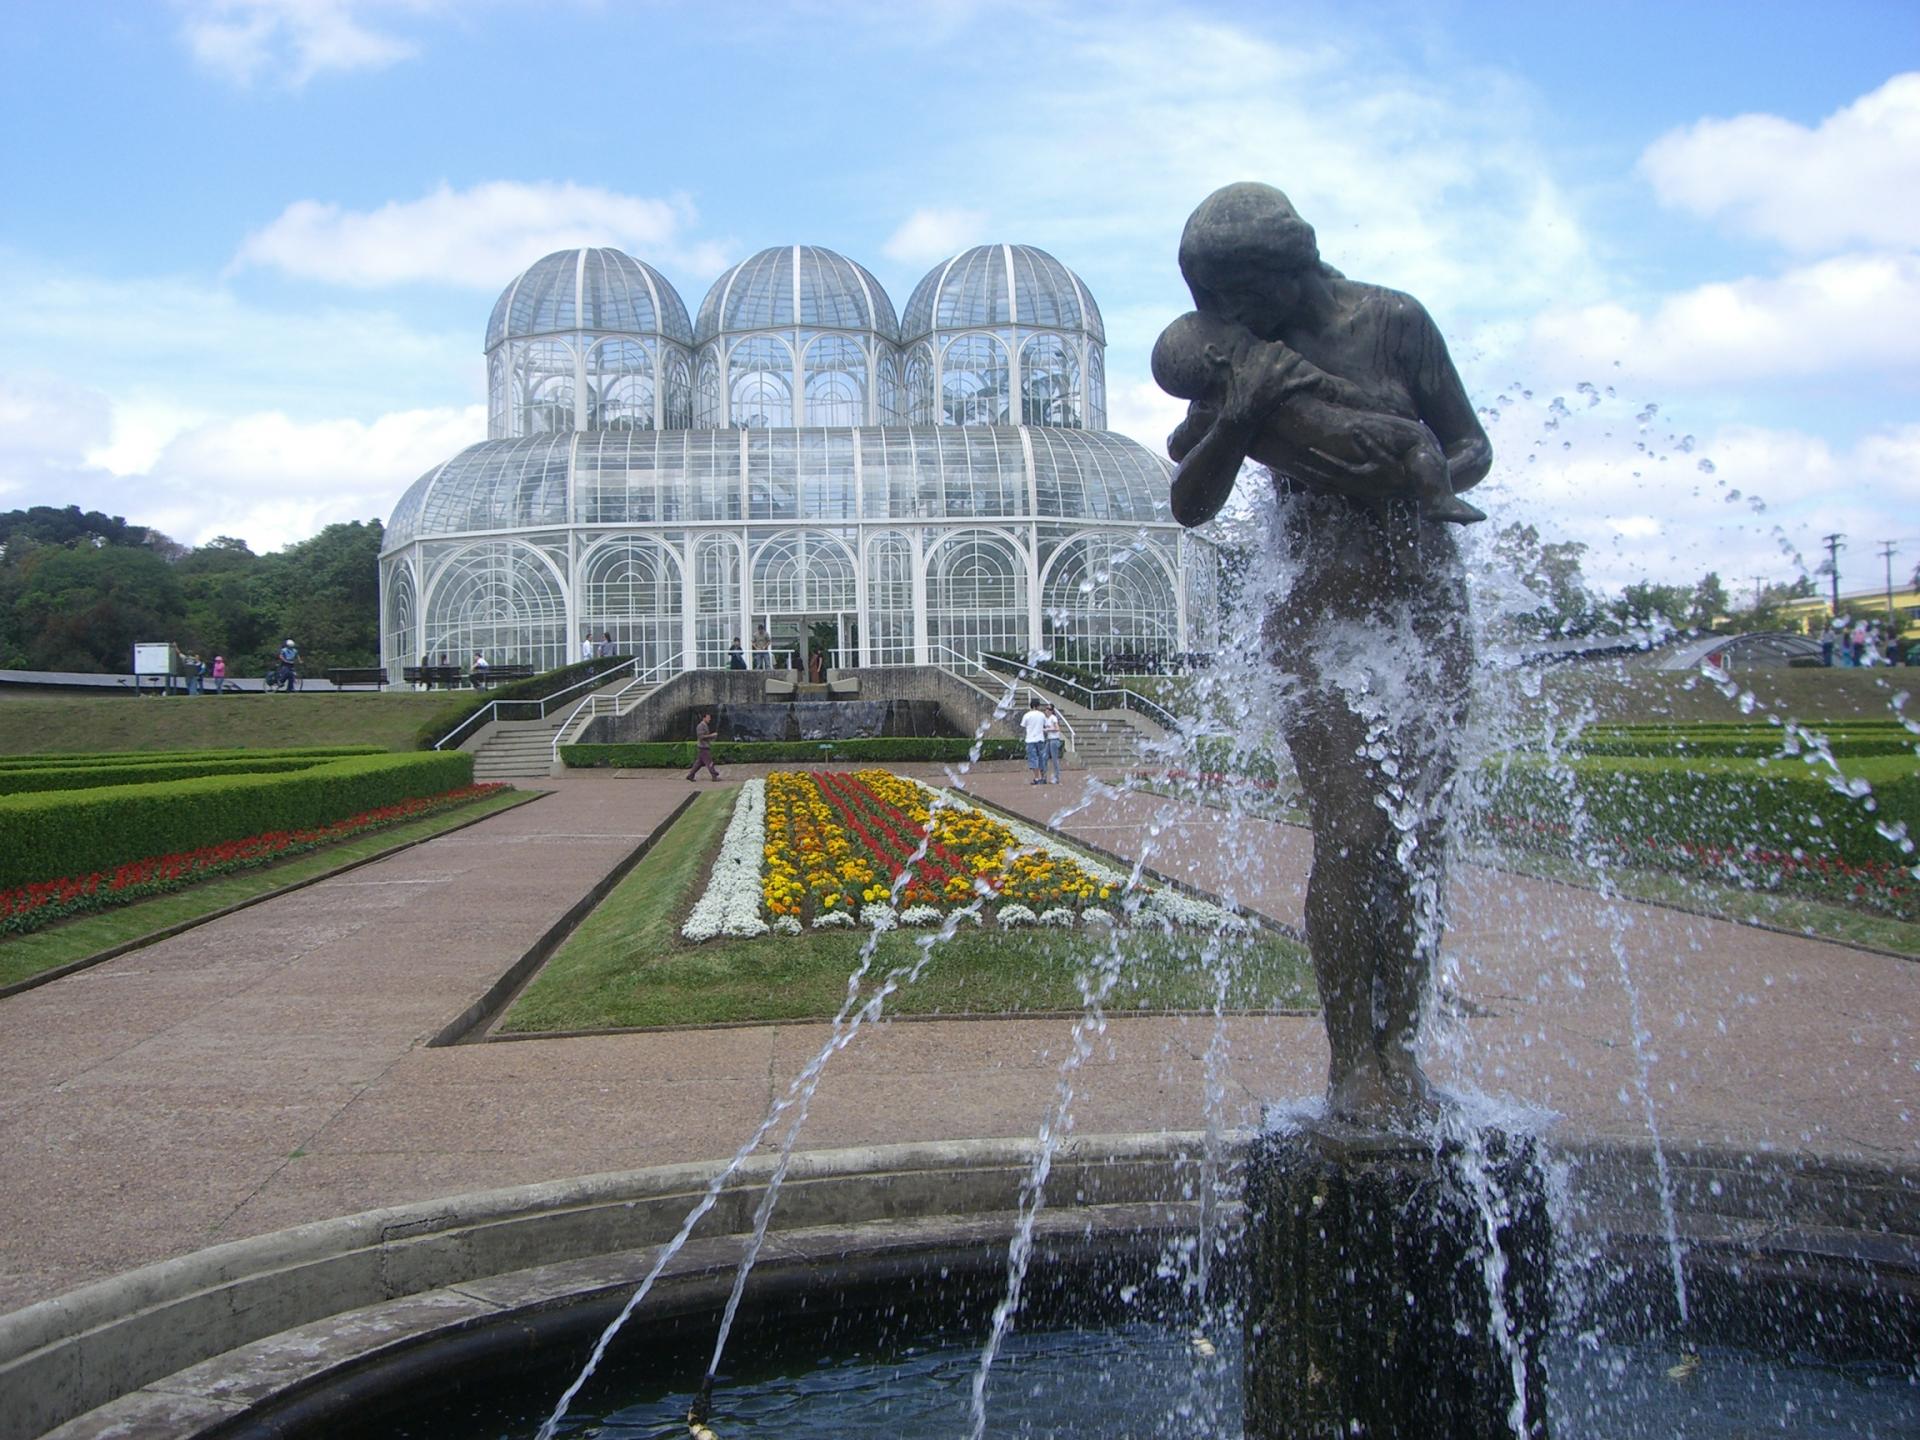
x=588 y=339
x=589 y=289
x=796 y=286
x=1001 y=335
x=995 y=285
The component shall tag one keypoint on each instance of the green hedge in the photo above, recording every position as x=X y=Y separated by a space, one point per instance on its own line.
x=93 y=777
x=678 y=754
x=52 y=834
x=122 y=759
x=548 y=682
x=1755 y=746
x=1720 y=803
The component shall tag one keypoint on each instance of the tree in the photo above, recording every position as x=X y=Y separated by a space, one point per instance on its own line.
x=1550 y=571
x=1709 y=602
x=83 y=607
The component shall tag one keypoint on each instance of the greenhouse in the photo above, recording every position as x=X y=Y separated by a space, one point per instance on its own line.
x=796 y=462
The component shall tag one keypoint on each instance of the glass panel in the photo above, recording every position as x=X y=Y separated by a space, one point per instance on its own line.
x=973 y=382
x=977 y=594
x=630 y=589
x=1109 y=601
x=760 y=384
x=497 y=598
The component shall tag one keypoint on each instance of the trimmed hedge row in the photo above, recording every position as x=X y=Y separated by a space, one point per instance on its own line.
x=1716 y=803
x=547 y=682
x=112 y=758
x=93 y=777
x=678 y=754
x=1843 y=744
x=53 y=834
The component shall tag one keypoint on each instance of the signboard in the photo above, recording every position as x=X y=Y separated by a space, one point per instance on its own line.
x=157 y=659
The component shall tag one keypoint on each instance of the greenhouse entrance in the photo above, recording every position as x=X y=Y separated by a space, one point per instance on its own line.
x=797 y=638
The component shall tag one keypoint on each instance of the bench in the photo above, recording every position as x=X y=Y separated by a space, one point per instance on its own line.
x=373 y=676
x=444 y=676
x=502 y=675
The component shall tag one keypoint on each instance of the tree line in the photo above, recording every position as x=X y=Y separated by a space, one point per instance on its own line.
x=79 y=589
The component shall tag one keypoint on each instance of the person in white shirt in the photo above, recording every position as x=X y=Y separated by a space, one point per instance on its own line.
x=589 y=650
x=1056 y=744
x=1033 y=725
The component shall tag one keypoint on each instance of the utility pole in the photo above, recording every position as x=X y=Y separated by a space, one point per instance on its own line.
x=1886 y=553
x=1756 y=590
x=1834 y=547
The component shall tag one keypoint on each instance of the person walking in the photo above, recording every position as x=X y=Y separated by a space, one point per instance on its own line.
x=219 y=674
x=477 y=671
x=703 y=749
x=1033 y=726
x=1056 y=744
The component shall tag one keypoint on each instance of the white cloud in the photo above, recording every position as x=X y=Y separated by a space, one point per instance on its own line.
x=927 y=237
x=1848 y=313
x=293 y=41
x=480 y=237
x=1852 y=180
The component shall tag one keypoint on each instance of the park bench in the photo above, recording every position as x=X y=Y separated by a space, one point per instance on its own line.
x=502 y=674
x=346 y=677
x=443 y=676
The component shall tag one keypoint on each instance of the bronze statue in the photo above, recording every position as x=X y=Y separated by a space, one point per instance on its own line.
x=1346 y=394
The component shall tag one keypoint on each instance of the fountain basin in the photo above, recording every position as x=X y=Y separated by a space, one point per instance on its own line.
x=262 y=1332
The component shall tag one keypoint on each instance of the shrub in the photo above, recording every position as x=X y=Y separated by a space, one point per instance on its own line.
x=112 y=758
x=678 y=754
x=548 y=682
x=1729 y=803
x=90 y=777
x=54 y=833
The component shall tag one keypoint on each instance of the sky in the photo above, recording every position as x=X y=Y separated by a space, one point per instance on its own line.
x=248 y=247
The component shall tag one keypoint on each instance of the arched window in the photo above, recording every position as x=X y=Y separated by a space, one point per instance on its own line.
x=499 y=397
x=1049 y=382
x=501 y=599
x=973 y=382
x=707 y=411
x=678 y=411
x=1096 y=389
x=887 y=389
x=398 y=617
x=1108 y=595
x=716 y=598
x=977 y=595
x=803 y=572
x=760 y=383
x=836 y=382
x=630 y=589
x=920 y=409
x=890 y=598
x=543 y=376
x=619 y=386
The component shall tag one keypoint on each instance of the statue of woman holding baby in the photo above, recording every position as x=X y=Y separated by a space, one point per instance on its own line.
x=1345 y=393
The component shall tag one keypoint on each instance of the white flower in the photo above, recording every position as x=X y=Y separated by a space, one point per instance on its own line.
x=1059 y=916
x=1011 y=915
x=920 y=915
x=786 y=925
x=835 y=918
x=1095 y=916
x=730 y=904
x=879 y=917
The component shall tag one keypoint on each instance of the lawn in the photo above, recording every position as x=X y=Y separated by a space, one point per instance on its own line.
x=24 y=956
x=627 y=965
x=92 y=723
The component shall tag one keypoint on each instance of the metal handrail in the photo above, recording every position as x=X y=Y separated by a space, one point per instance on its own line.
x=1073 y=740
x=491 y=710
x=641 y=677
x=1129 y=699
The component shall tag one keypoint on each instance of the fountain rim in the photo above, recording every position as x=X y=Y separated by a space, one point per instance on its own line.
x=199 y=1340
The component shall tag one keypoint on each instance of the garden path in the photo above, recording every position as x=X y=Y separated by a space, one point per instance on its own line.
x=271 y=1068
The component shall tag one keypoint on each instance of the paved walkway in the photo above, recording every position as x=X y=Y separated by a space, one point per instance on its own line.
x=269 y=1068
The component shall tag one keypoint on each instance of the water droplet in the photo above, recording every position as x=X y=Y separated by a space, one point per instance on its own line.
x=1685 y=445
x=1706 y=467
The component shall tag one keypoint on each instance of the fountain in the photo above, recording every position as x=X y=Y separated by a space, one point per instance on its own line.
x=1392 y=1259
x=1346 y=393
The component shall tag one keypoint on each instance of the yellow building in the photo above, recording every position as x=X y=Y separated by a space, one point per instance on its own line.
x=1814 y=614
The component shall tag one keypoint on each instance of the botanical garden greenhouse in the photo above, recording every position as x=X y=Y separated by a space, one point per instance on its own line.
x=798 y=461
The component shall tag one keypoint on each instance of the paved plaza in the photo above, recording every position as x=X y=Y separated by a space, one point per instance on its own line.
x=270 y=1068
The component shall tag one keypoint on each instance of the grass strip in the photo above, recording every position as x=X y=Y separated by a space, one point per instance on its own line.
x=84 y=937
x=626 y=966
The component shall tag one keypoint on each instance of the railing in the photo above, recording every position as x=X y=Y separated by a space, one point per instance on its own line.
x=492 y=710
x=1127 y=699
x=649 y=678
x=953 y=662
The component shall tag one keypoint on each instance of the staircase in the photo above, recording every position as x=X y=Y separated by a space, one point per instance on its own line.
x=516 y=749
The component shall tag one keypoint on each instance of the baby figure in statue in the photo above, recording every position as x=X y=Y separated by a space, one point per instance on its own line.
x=1346 y=443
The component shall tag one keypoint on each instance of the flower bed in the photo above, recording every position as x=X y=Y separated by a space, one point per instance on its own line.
x=875 y=849
x=30 y=907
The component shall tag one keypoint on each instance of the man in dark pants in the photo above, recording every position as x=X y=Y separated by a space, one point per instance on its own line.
x=703 y=751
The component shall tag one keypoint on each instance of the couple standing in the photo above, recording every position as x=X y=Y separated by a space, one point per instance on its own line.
x=1045 y=741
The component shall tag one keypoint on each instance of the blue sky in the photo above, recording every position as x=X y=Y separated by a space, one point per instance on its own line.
x=250 y=245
